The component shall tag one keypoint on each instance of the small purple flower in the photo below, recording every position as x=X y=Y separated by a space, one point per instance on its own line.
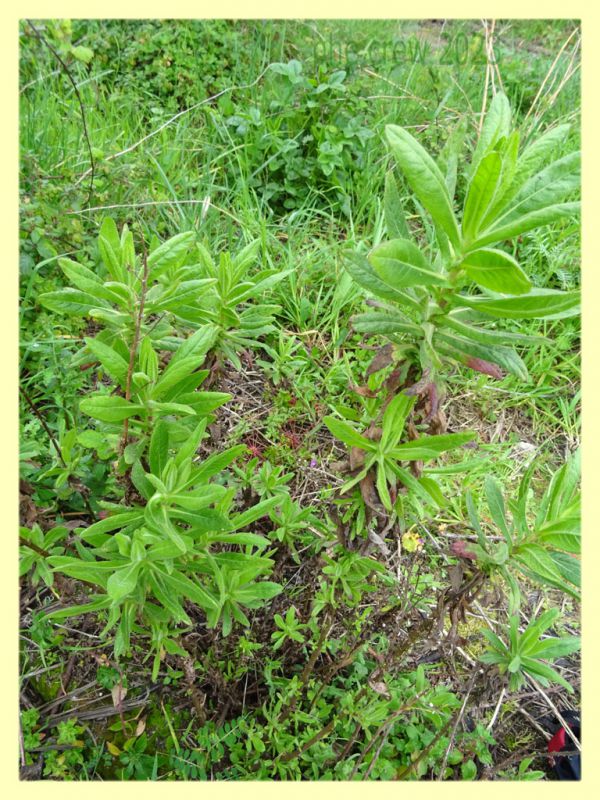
x=313 y=462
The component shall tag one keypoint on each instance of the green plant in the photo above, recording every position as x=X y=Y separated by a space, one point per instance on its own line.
x=225 y=305
x=425 y=304
x=383 y=455
x=544 y=549
x=289 y=628
x=35 y=549
x=147 y=559
x=526 y=654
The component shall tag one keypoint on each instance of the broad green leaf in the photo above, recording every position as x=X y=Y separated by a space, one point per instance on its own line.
x=538 y=561
x=70 y=301
x=382 y=487
x=537 y=304
x=109 y=408
x=97 y=604
x=174 y=374
x=182 y=585
x=363 y=273
x=264 y=590
x=487 y=336
x=495 y=503
x=171 y=408
x=496 y=270
x=563 y=535
x=197 y=345
x=216 y=463
x=113 y=363
x=170 y=254
x=541 y=670
x=122 y=582
x=383 y=322
x=569 y=567
x=400 y=264
x=504 y=357
x=247 y=539
x=425 y=179
x=255 y=512
x=111 y=523
x=547 y=188
x=538 y=152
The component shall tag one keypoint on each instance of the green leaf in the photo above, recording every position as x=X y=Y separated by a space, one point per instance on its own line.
x=158 y=452
x=197 y=345
x=481 y=194
x=545 y=189
x=568 y=566
x=395 y=221
x=255 y=512
x=122 y=582
x=82 y=53
x=347 y=434
x=383 y=322
x=216 y=463
x=382 y=487
x=170 y=254
x=359 y=269
x=394 y=419
x=425 y=179
x=109 y=408
x=563 y=535
x=504 y=357
x=495 y=503
x=264 y=590
x=113 y=363
x=109 y=245
x=97 y=604
x=539 y=669
x=174 y=374
x=538 y=152
x=535 y=219
x=496 y=270
x=430 y=446
x=70 y=301
x=538 y=561
x=539 y=303
x=496 y=125
x=182 y=585
x=400 y=264
x=487 y=336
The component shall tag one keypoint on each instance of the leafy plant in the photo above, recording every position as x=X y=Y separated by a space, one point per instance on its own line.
x=239 y=324
x=289 y=628
x=425 y=304
x=384 y=455
x=148 y=559
x=527 y=653
x=545 y=549
x=36 y=547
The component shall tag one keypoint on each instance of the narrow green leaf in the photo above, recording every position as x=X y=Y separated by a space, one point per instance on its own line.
x=425 y=179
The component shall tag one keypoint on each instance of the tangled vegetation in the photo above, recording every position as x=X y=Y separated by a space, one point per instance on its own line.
x=299 y=399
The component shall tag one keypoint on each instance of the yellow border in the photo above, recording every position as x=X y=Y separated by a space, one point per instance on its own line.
x=310 y=9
